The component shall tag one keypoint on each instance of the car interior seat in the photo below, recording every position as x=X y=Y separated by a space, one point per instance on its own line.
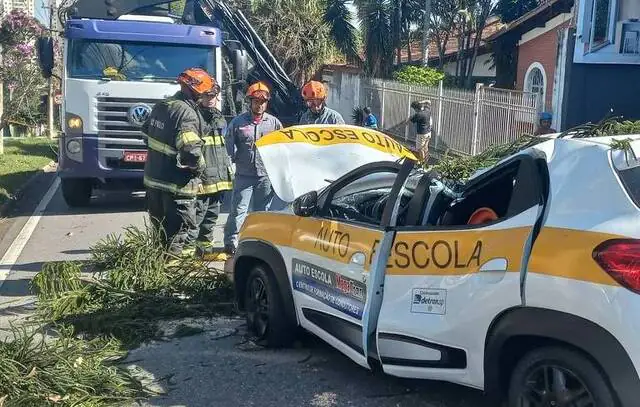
x=416 y=206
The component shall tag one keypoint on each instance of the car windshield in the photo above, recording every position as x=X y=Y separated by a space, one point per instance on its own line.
x=136 y=61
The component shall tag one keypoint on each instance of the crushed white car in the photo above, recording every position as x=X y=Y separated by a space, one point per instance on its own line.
x=524 y=281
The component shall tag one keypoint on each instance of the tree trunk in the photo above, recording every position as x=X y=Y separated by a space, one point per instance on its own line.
x=408 y=28
x=472 y=63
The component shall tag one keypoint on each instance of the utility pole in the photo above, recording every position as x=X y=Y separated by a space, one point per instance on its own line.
x=425 y=32
x=51 y=111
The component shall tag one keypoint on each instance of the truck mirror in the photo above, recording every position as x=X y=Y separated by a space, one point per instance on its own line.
x=240 y=64
x=45 y=56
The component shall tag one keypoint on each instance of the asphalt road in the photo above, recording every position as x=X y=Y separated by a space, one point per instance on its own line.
x=216 y=368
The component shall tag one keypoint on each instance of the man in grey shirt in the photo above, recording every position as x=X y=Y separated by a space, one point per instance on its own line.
x=251 y=183
x=315 y=96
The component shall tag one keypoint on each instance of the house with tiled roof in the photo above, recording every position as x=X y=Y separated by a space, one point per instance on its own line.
x=447 y=57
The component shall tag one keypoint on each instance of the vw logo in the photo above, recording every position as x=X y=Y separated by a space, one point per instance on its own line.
x=138 y=114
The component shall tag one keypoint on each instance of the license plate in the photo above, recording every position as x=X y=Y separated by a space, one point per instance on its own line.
x=135 y=156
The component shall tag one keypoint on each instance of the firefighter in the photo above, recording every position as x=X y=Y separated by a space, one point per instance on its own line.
x=251 y=183
x=175 y=162
x=315 y=96
x=217 y=178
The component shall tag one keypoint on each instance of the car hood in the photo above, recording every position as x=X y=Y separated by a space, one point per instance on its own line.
x=305 y=158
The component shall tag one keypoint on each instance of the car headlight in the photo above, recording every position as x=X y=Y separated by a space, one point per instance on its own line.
x=74 y=147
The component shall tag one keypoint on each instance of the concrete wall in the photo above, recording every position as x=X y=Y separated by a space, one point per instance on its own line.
x=344 y=92
x=629 y=9
x=483 y=67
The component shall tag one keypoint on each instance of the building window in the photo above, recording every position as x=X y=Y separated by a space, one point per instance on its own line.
x=601 y=23
x=535 y=81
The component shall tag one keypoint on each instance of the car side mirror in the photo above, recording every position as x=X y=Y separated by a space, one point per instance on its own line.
x=45 y=56
x=306 y=205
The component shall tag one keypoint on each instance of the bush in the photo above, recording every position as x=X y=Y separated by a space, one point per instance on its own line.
x=418 y=75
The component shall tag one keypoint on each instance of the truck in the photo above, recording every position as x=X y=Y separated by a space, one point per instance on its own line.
x=120 y=58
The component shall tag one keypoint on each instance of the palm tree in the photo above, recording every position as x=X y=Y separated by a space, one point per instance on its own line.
x=338 y=17
x=376 y=22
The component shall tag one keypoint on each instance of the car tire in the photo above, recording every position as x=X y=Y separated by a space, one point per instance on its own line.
x=76 y=192
x=581 y=376
x=266 y=317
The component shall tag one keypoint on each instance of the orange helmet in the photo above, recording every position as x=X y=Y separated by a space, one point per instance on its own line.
x=259 y=90
x=199 y=81
x=314 y=90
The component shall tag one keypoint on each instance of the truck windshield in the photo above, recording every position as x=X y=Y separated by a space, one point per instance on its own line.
x=136 y=61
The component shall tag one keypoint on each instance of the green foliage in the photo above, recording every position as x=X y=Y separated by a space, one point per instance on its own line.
x=133 y=287
x=458 y=169
x=65 y=371
x=418 y=75
x=295 y=32
x=22 y=158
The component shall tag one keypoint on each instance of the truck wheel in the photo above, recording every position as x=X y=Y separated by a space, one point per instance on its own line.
x=76 y=192
x=560 y=377
x=265 y=311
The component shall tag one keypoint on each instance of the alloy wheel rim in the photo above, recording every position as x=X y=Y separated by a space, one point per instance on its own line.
x=553 y=386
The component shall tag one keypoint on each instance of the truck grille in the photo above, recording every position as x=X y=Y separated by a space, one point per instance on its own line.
x=112 y=117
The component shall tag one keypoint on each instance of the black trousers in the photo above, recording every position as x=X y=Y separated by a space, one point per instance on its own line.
x=175 y=215
x=207 y=213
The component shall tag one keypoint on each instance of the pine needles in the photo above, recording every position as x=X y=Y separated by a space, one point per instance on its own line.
x=131 y=289
x=97 y=310
x=66 y=371
x=457 y=169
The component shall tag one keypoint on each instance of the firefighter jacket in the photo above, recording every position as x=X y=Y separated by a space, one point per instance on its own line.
x=218 y=175
x=174 y=162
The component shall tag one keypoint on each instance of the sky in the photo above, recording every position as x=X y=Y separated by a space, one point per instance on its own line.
x=41 y=13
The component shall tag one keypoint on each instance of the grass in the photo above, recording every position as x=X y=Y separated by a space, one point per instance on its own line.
x=21 y=159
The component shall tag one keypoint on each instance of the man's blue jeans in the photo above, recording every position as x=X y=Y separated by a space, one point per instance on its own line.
x=247 y=190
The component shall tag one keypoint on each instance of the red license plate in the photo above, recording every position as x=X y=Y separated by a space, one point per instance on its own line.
x=135 y=156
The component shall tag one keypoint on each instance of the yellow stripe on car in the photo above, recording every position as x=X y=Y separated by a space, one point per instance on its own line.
x=557 y=252
x=336 y=134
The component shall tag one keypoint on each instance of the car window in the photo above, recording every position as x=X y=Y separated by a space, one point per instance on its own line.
x=505 y=192
x=631 y=180
x=364 y=199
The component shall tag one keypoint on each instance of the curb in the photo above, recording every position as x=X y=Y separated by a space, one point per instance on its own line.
x=5 y=207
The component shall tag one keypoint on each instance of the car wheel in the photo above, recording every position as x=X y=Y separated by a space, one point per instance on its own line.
x=76 y=191
x=265 y=310
x=558 y=377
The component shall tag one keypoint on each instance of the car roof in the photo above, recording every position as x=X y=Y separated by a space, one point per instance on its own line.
x=572 y=146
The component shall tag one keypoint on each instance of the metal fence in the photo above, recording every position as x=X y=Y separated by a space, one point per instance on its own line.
x=464 y=121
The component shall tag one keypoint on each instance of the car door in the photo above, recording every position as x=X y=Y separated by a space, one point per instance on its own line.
x=332 y=254
x=444 y=284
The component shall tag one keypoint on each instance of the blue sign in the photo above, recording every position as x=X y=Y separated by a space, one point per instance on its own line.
x=337 y=291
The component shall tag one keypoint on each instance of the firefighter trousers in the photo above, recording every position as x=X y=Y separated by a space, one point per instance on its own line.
x=207 y=213
x=174 y=215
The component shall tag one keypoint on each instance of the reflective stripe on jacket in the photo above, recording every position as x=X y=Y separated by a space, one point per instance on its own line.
x=174 y=159
x=218 y=175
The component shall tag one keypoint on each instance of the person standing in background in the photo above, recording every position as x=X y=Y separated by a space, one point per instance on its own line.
x=251 y=183
x=422 y=119
x=175 y=162
x=370 y=121
x=314 y=95
x=216 y=179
